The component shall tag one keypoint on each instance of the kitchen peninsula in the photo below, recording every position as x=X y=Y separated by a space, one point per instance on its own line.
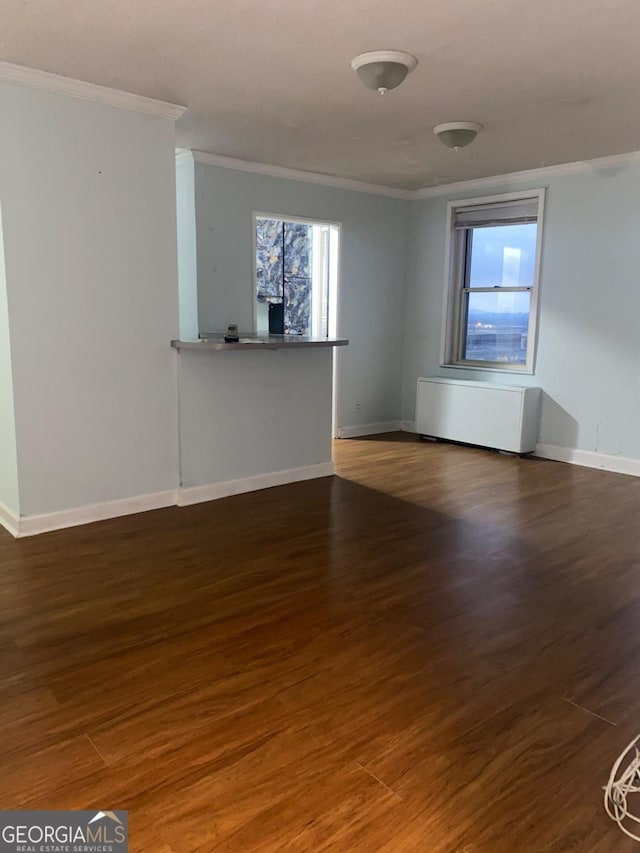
x=253 y=414
x=216 y=341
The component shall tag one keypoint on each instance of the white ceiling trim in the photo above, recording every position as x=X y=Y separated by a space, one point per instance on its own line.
x=534 y=175
x=299 y=175
x=528 y=175
x=32 y=77
x=183 y=155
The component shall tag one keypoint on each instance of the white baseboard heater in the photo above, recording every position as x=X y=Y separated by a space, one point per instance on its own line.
x=504 y=417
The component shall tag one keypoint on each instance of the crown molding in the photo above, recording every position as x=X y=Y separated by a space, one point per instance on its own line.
x=300 y=175
x=493 y=181
x=36 y=79
x=183 y=155
x=534 y=175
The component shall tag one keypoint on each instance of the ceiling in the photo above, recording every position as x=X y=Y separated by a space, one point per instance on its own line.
x=553 y=81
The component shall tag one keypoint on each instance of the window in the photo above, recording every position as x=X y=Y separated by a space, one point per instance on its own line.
x=295 y=276
x=492 y=282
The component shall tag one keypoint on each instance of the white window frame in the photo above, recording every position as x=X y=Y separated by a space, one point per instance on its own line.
x=451 y=334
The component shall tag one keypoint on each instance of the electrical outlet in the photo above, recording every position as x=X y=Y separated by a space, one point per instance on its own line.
x=358 y=407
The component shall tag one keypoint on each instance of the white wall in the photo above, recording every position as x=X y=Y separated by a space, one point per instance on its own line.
x=373 y=260
x=88 y=195
x=243 y=414
x=8 y=450
x=588 y=362
x=88 y=199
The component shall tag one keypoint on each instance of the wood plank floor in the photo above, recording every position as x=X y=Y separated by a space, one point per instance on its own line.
x=437 y=650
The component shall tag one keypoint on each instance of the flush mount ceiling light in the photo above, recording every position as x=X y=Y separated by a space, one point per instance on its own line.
x=383 y=69
x=457 y=134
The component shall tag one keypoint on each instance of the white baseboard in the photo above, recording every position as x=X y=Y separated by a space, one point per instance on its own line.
x=9 y=520
x=213 y=491
x=30 y=525
x=368 y=429
x=408 y=426
x=590 y=459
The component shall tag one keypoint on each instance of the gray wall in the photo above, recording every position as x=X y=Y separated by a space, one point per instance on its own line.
x=88 y=202
x=248 y=413
x=8 y=450
x=373 y=255
x=589 y=338
x=88 y=197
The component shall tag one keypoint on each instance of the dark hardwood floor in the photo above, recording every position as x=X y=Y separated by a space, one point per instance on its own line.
x=437 y=650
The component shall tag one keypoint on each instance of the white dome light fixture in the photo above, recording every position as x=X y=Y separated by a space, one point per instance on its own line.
x=457 y=134
x=382 y=70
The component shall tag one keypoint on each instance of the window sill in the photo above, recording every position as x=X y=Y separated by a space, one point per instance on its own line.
x=519 y=371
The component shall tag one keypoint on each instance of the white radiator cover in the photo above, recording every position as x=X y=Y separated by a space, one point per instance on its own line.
x=504 y=417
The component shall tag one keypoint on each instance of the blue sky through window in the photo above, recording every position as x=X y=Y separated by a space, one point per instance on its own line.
x=504 y=256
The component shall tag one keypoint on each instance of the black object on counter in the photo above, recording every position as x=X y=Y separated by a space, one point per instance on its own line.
x=231 y=336
x=276 y=318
